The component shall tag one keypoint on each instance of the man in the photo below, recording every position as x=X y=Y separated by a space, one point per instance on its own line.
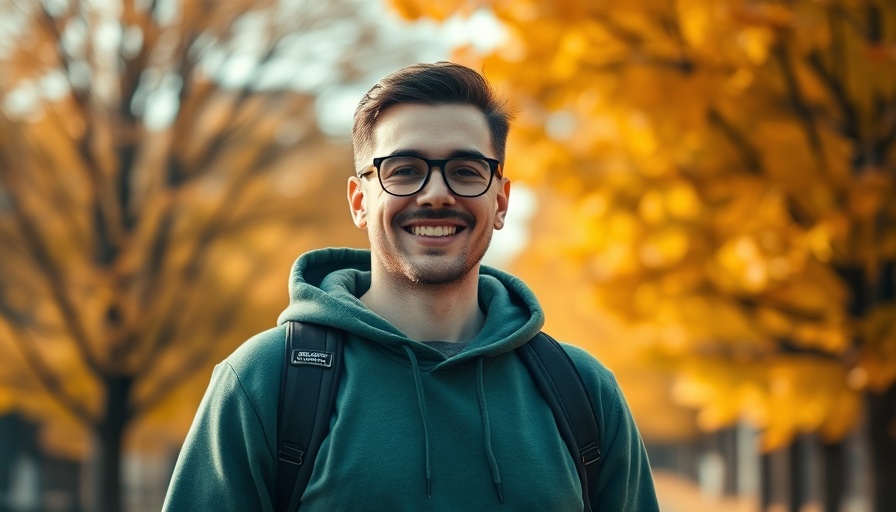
x=434 y=410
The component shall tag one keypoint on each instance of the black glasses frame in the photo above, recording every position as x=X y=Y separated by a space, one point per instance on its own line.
x=494 y=167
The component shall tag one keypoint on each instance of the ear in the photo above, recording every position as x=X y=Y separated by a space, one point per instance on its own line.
x=501 y=202
x=357 y=202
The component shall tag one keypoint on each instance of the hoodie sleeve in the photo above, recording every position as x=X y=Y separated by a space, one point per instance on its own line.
x=624 y=481
x=225 y=462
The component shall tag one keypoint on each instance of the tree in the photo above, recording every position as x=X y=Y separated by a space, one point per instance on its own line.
x=158 y=169
x=722 y=173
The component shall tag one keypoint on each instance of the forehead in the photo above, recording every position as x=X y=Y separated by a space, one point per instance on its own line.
x=434 y=130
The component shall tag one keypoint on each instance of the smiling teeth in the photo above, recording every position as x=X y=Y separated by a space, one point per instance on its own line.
x=434 y=231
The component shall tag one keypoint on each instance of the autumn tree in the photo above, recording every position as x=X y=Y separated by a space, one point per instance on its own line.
x=721 y=173
x=161 y=166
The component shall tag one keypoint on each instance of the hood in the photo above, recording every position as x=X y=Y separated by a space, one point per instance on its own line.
x=324 y=286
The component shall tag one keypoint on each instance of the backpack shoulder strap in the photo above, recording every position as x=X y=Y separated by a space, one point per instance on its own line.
x=564 y=390
x=308 y=384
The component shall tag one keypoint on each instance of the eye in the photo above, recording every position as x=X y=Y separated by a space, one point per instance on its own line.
x=403 y=168
x=469 y=170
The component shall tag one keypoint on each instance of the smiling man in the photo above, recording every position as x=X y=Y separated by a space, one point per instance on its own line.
x=435 y=408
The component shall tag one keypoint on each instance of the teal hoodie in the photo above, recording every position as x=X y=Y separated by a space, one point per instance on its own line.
x=412 y=429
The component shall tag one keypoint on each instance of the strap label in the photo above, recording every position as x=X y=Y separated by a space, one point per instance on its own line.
x=311 y=358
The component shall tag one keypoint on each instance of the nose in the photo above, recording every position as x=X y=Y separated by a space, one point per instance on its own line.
x=436 y=192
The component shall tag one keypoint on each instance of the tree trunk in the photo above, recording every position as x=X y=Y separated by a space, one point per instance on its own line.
x=833 y=475
x=765 y=481
x=798 y=495
x=882 y=437
x=728 y=449
x=110 y=436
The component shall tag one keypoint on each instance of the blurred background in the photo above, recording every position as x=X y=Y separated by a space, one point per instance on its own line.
x=703 y=198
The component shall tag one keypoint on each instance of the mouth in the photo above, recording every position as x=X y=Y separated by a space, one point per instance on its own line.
x=433 y=225
x=434 y=231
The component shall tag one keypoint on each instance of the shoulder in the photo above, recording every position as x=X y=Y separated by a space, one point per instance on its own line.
x=259 y=351
x=609 y=402
x=257 y=362
x=596 y=376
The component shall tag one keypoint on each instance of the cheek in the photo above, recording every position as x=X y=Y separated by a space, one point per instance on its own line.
x=381 y=212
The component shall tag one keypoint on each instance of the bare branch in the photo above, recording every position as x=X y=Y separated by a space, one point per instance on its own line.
x=51 y=274
x=55 y=282
x=887 y=119
x=753 y=304
x=230 y=128
x=234 y=128
x=189 y=274
x=60 y=197
x=788 y=346
x=162 y=239
x=49 y=23
x=795 y=96
x=621 y=33
x=749 y=154
x=51 y=381
x=200 y=355
x=189 y=365
x=838 y=93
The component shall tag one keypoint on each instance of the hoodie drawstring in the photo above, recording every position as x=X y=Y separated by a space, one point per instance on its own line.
x=421 y=404
x=483 y=411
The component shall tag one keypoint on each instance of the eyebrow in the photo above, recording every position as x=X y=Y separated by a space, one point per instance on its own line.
x=458 y=153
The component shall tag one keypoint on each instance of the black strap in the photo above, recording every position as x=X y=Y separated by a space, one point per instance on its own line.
x=308 y=385
x=564 y=390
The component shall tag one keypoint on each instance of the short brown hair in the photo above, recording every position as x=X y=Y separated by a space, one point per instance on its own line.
x=430 y=84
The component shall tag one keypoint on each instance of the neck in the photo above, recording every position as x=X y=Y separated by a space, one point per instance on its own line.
x=428 y=312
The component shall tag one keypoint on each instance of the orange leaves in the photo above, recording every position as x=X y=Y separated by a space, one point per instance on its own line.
x=711 y=170
x=784 y=397
x=663 y=248
x=143 y=246
x=741 y=266
x=681 y=201
x=436 y=9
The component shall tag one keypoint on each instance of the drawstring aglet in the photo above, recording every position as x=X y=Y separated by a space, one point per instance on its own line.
x=429 y=487
x=500 y=492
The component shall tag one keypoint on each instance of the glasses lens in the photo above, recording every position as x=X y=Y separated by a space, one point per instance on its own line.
x=403 y=174
x=468 y=176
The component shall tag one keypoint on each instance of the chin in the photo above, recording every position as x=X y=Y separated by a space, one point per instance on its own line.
x=438 y=272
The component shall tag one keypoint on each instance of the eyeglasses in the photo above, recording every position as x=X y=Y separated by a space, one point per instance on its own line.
x=407 y=175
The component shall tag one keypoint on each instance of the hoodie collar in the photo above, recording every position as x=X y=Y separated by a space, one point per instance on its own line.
x=325 y=284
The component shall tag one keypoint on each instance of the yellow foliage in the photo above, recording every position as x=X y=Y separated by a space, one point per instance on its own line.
x=785 y=398
x=711 y=170
x=141 y=252
x=663 y=248
x=681 y=201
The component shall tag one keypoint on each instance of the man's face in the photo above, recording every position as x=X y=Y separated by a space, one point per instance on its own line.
x=405 y=238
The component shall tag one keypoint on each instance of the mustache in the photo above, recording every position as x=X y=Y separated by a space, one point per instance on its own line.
x=441 y=214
